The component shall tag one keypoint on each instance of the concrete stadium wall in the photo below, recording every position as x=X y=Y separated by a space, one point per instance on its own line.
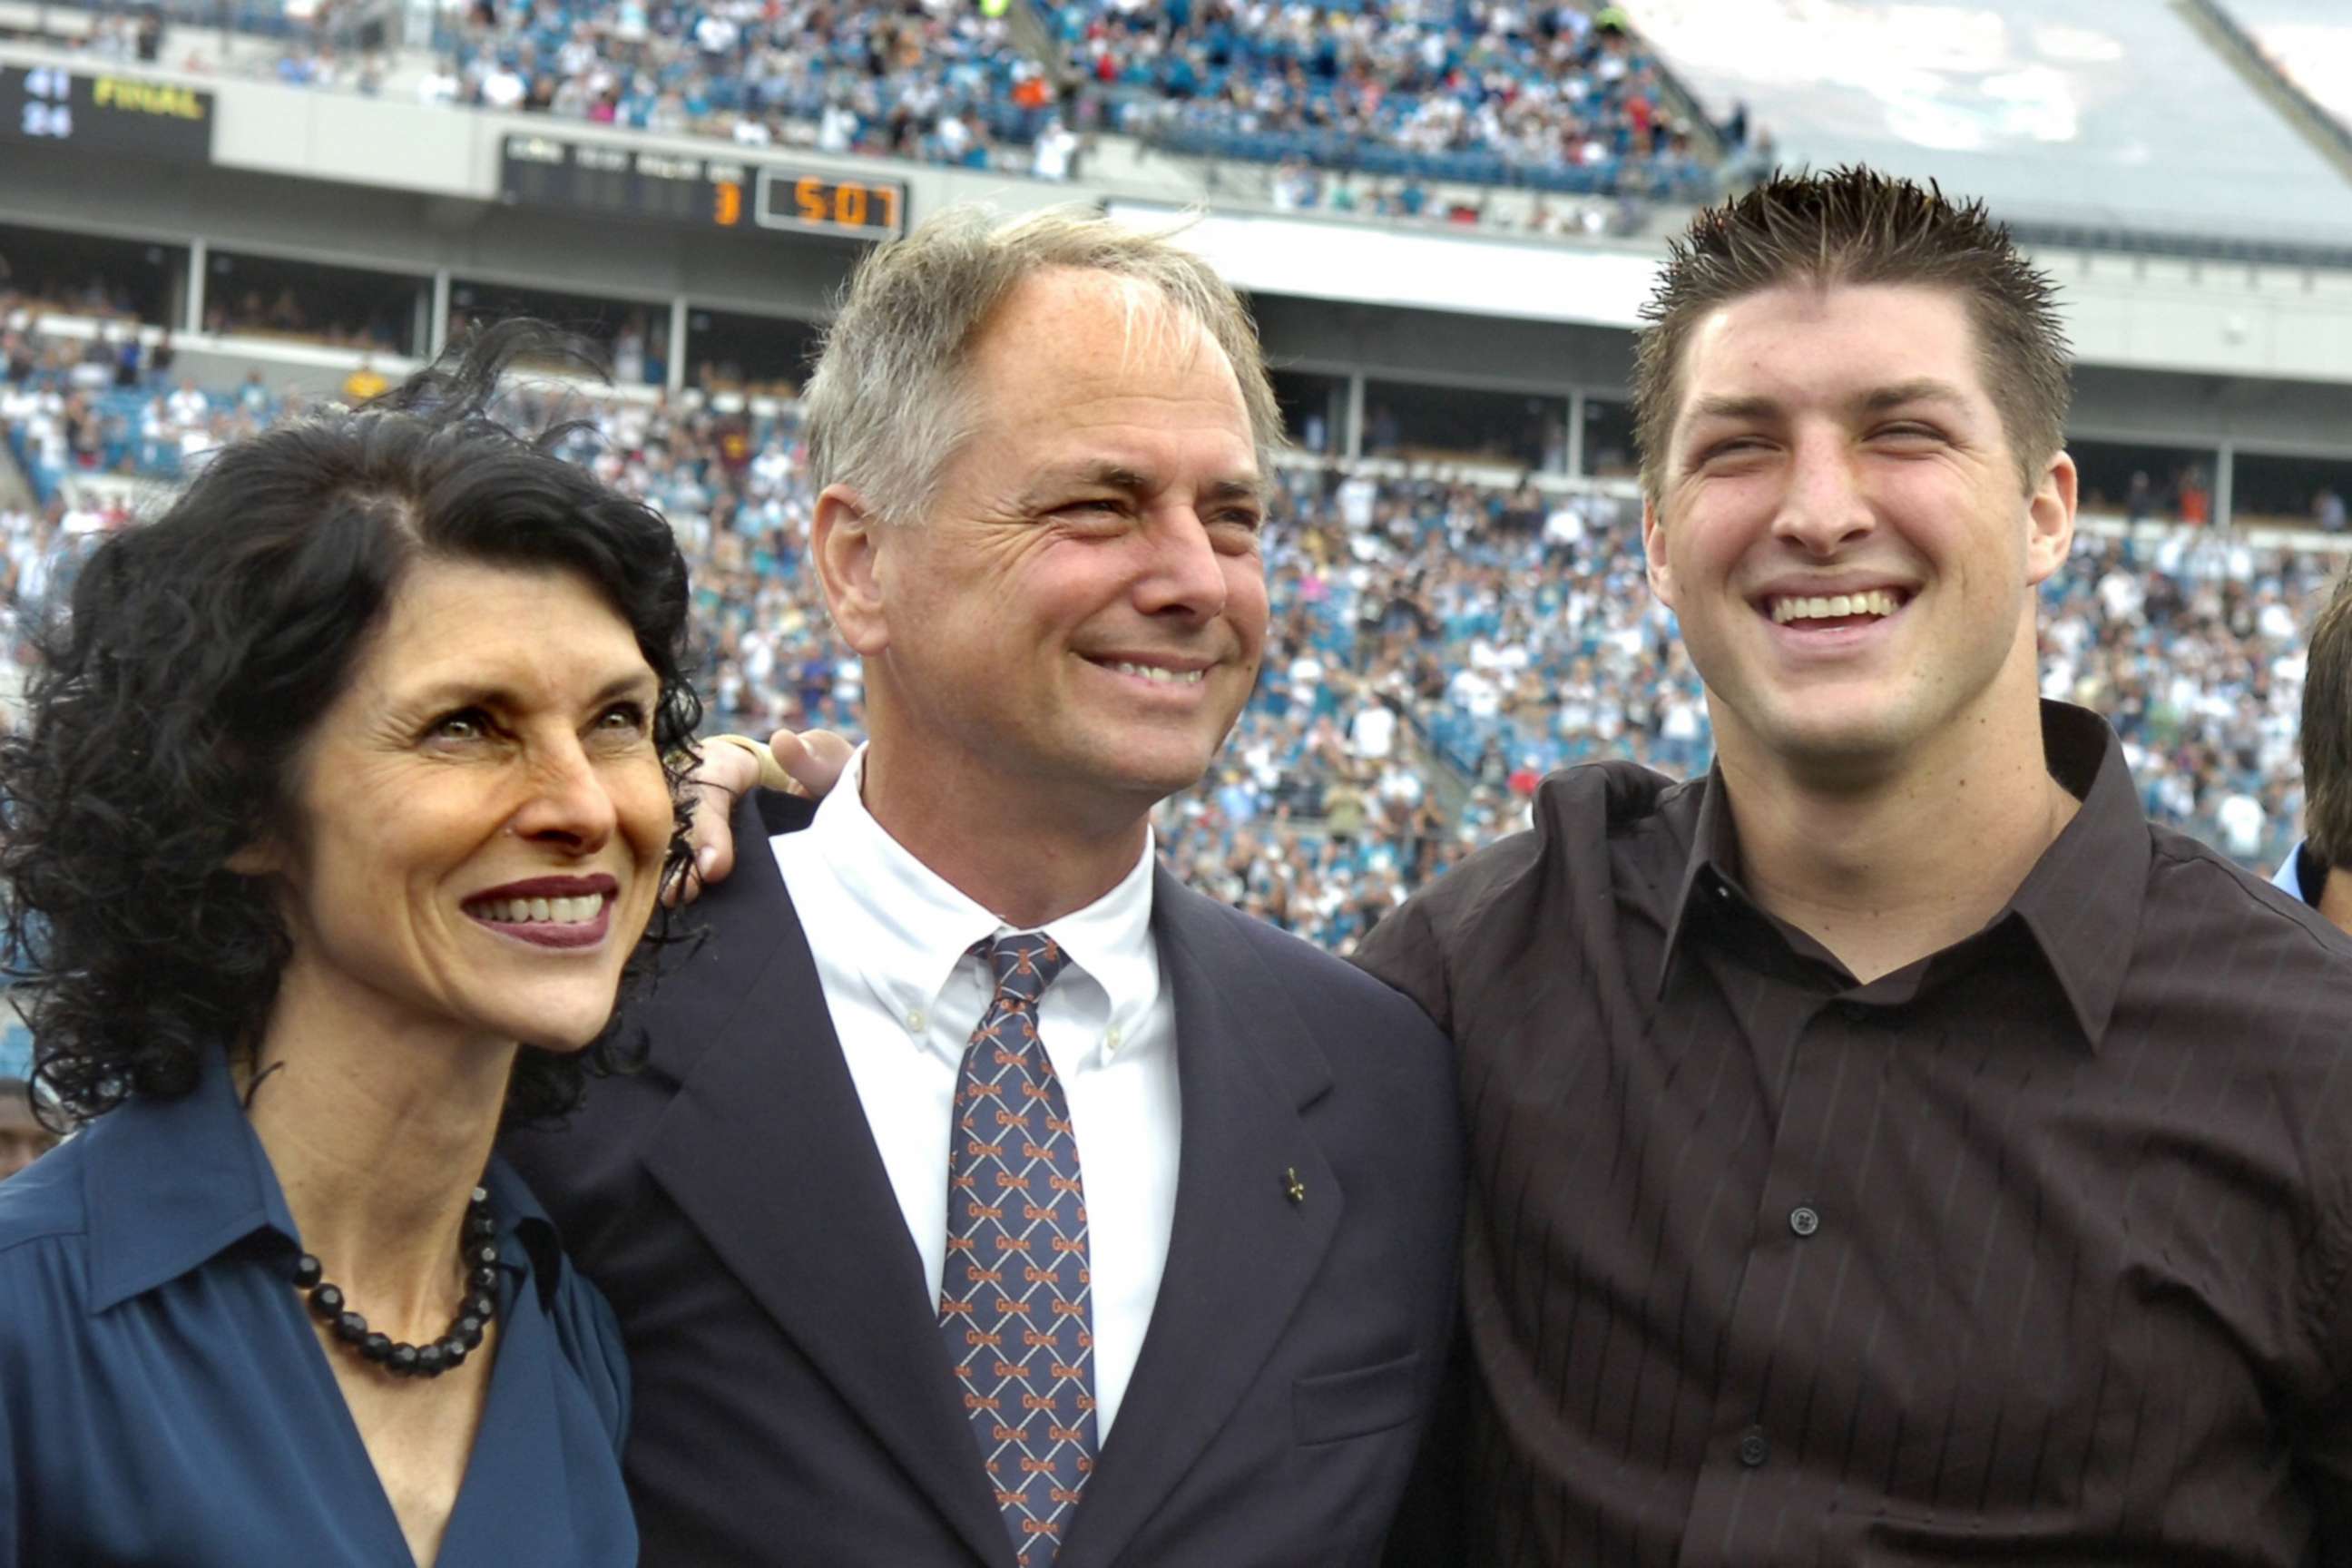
x=406 y=232
x=2290 y=323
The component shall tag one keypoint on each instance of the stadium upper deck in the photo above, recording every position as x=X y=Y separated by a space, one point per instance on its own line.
x=1421 y=109
x=1407 y=102
x=1558 y=95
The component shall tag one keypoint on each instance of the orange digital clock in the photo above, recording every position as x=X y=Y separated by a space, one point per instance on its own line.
x=818 y=203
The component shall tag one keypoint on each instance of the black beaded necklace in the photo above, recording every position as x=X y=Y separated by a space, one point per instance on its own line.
x=476 y=1249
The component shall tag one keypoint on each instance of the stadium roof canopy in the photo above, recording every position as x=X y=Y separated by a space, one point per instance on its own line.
x=2076 y=112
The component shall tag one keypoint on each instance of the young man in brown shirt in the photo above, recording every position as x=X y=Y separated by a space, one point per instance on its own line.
x=1889 y=1147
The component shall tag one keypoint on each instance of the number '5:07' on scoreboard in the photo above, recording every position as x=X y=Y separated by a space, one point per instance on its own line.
x=728 y=194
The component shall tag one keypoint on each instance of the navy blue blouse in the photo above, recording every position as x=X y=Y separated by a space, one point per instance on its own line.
x=164 y=1398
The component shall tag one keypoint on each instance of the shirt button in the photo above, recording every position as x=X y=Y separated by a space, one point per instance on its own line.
x=1753 y=1448
x=1804 y=1219
x=916 y=1022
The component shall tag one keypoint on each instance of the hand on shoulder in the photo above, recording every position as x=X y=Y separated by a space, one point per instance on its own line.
x=806 y=762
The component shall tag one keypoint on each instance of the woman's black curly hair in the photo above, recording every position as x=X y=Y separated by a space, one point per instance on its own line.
x=171 y=701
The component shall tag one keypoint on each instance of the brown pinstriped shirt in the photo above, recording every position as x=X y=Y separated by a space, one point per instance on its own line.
x=2034 y=1251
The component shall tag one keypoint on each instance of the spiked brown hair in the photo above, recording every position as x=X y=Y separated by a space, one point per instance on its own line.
x=1855 y=225
x=2326 y=738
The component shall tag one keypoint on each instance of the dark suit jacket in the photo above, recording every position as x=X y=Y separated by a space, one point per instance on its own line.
x=794 y=1401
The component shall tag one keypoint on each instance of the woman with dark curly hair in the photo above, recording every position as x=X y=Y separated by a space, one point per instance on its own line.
x=340 y=807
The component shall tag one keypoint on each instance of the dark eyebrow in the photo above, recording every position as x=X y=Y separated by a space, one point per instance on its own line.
x=1091 y=476
x=632 y=684
x=1923 y=389
x=1734 y=408
x=1877 y=400
x=447 y=694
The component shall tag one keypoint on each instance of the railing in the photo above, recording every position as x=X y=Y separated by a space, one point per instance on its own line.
x=1355 y=154
x=1461 y=771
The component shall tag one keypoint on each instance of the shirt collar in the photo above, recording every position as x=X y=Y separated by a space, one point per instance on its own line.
x=2080 y=901
x=919 y=923
x=2082 y=898
x=1111 y=941
x=1709 y=873
x=922 y=925
x=172 y=1183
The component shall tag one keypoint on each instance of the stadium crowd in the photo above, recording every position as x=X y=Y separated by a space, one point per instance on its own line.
x=943 y=82
x=1395 y=108
x=1482 y=92
x=1479 y=91
x=1437 y=645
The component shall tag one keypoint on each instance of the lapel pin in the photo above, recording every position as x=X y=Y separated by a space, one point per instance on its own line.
x=1293 y=1185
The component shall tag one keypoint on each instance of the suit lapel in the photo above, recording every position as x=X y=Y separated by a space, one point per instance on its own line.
x=1242 y=1252
x=767 y=1150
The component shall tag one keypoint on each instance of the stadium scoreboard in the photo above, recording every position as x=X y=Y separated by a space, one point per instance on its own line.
x=729 y=194
x=48 y=105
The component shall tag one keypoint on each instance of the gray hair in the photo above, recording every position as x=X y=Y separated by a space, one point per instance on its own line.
x=889 y=404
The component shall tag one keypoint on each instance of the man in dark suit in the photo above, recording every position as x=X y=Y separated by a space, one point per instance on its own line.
x=989 y=1197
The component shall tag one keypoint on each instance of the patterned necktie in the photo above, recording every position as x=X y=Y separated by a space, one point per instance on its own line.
x=1014 y=1300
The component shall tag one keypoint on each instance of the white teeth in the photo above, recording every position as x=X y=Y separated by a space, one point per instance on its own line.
x=1796 y=607
x=555 y=911
x=1164 y=677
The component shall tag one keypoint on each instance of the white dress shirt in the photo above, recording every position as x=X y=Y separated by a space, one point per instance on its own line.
x=892 y=942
